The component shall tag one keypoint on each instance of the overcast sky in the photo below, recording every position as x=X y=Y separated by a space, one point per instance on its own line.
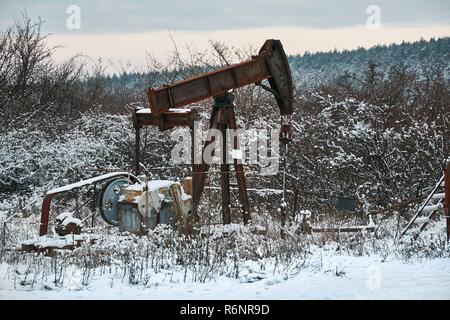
x=144 y=25
x=145 y=15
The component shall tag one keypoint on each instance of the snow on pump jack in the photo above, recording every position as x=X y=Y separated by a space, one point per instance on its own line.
x=136 y=206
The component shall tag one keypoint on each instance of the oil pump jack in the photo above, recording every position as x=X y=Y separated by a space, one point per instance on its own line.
x=134 y=205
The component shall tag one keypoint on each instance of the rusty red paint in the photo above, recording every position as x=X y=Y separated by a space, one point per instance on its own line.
x=166 y=120
x=45 y=211
x=240 y=175
x=207 y=85
x=46 y=203
x=271 y=63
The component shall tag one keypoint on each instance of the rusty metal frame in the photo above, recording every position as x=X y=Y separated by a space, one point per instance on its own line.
x=222 y=118
x=165 y=121
x=46 y=203
x=207 y=85
x=271 y=63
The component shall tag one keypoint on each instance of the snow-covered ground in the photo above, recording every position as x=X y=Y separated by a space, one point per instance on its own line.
x=239 y=265
x=334 y=277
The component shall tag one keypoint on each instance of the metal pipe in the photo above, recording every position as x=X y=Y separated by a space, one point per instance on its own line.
x=137 y=153
x=45 y=209
x=225 y=177
x=239 y=170
x=447 y=198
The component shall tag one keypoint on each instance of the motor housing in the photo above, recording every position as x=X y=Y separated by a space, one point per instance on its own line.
x=140 y=207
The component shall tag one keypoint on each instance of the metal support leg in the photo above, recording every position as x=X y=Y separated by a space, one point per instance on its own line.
x=225 y=177
x=193 y=165
x=201 y=170
x=137 y=153
x=239 y=169
x=222 y=117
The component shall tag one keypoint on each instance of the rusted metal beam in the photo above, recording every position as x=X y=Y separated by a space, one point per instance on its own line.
x=45 y=210
x=207 y=85
x=271 y=63
x=199 y=171
x=225 y=176
x=166 y=120
x=239 y=169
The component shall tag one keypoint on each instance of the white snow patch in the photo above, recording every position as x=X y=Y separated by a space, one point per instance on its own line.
x=172 y=110
x=82 y=183
x=339 y=277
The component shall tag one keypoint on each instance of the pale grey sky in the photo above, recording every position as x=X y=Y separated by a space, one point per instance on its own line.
x=125 y=30
x=195 y=15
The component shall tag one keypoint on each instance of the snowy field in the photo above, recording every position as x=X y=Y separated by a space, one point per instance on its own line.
x=335 y=277
x=236 y=265
x=246 y=266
